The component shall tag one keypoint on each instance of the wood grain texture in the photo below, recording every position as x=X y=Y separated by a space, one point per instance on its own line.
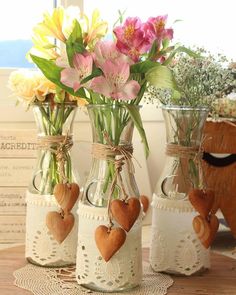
x=219 y=280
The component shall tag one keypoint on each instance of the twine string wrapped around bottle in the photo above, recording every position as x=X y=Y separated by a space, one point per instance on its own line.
x=186 y=154
x=120 y=155
x=59 y=145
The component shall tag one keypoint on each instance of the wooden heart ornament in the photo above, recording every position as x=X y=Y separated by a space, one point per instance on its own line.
x=59 y=226
x=66 y=195
x=109 y=241
x=145 y=202
x=202 y=201
x=125 y=212
x=206 y=230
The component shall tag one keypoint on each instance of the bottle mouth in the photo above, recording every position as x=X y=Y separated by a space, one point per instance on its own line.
x=111 y=106
x=48 y=103
x=185 y=108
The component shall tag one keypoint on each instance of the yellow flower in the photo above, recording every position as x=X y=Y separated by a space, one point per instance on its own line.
x=23 y=84
x=94 y=30
x=80 y=101
x=29 y=86
x=59 y=26
x=44 y=87
x=52 y=25
x=42 y=47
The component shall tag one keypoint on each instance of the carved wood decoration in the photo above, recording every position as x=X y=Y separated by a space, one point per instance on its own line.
x=220 y=170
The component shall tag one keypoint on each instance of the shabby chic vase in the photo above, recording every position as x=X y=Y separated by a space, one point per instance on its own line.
x=111 y=179
x=54 y=166
x=175 y=247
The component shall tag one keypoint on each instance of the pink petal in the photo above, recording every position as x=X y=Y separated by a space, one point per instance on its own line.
x=109 y=68
x=169 y=34
x=130 y=90
x=70 y=78
x=122 y=47
x=83 y=63
x=119 y=32
x=123 y=70
x=100 y=85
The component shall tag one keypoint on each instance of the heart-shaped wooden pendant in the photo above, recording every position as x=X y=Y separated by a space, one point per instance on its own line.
x=202 y=201
x=59 y=226
x=126 y=212
x=109 y=241
x=66 y=195
x=206 y=230
x=145 y=202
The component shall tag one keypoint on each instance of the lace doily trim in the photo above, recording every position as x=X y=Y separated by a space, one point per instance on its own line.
x=94 y=213
x=41 y=200
x=172 y=205
x=62 y=281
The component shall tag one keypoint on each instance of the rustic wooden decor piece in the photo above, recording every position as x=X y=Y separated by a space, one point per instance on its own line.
x=109 y=241
x=220 y=172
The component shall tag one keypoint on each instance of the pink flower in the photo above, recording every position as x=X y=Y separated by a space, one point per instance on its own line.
x=105 y=50
x=155 y=29
x=131 y=39
x=115 y=82
x=72 y=77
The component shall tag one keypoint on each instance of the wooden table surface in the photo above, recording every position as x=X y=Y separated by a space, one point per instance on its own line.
x=219 y=280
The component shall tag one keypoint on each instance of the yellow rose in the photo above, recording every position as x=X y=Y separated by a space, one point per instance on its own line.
x=44 y=87
x=81 y=102
x=29 y=86
x=23 y=84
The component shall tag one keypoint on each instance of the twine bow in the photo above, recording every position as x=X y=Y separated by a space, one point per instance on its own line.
x=110 y=152
x=59 y=145
x=193 y=153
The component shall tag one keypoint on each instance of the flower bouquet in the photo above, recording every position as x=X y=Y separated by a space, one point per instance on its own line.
x=111 y=76
x=200 y=82
x=112 y=73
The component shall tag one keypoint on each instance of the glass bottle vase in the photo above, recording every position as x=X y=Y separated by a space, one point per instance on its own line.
x=55 y=124
x=111 y=125
x=175 y=247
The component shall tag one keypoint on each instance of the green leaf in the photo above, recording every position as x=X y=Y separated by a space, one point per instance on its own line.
x=74 y=44
x=181 y=49
x=76 y=35
x=161 y=77
x=136 y=118
x=53 y=73
x=49 y=46
x=95 y=73
x=165 y=43
x=177 y=21
x=143 y=66
x=60 y=95
x=141 y=93
x=153 y=50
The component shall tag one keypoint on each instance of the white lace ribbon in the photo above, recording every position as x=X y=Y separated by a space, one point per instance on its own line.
x=175 y=247
x=41 y=247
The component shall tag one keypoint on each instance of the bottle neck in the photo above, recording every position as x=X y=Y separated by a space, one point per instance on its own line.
x=184 y=126
x=54 y=120
x=111 y=125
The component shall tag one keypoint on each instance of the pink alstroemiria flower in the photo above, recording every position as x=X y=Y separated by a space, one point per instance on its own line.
x=106 y=50
x=131 y=39
x=155 y=29
x=114 y=83
x=72 y=77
